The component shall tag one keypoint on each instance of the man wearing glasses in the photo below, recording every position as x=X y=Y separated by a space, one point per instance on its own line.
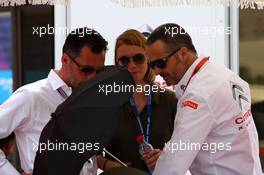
x=214 y=131
x=28 y=110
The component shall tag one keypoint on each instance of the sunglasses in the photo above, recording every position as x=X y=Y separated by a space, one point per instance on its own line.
x=86 y=69
x=137 y=59
x=161 y=62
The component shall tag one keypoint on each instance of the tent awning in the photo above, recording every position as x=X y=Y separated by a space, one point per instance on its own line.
x=6 y=3
x=243 y=4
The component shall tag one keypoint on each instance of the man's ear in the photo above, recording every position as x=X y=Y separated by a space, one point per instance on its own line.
x=182 y=54
x=65 y=59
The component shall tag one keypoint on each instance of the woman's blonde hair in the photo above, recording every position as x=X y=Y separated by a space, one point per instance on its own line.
x=135 y=38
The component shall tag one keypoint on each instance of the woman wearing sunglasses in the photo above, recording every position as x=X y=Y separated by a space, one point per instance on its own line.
x=147 y=114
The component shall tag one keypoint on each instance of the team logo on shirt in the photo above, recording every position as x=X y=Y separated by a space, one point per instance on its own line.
x=238 y=94
x=243 y=120
x=244 y=117
x=190 y=104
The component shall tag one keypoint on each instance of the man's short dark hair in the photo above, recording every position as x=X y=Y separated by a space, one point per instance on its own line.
x=173 y=36
x=81 y=37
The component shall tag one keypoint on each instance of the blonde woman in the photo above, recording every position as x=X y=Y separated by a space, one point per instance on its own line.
x=150 y=114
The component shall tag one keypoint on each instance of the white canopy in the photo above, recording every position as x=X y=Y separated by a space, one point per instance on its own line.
x=253 y=4
x=243 y=4
x=33 y=2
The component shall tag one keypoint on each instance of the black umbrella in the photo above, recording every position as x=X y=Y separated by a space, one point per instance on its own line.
x=84 y=124
x=124 y=171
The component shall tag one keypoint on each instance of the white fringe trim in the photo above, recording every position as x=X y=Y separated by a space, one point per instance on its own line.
x=33 y=2
x=243 y=4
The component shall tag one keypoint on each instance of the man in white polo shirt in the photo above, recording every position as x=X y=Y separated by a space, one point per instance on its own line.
x=214 y=132
x=28 y=110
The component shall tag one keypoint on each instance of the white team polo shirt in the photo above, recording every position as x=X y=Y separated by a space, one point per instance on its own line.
x=26 y=113
x=214 y=132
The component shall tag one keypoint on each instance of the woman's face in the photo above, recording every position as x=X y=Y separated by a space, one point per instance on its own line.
x=134 y=59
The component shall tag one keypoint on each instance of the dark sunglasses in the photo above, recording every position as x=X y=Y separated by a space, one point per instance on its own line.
x=137 y=59
x=86 y=69
x=161 y=63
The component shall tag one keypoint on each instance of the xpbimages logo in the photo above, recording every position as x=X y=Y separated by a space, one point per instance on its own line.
x=81 y=147
x=193 y=146
x=42 y=31
x=117 y=88
x=212 y=31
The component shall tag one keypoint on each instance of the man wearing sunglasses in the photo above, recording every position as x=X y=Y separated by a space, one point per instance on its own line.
x=28 y=110
x=214 y=131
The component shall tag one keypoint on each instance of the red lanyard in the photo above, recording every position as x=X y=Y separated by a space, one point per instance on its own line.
x=196 y=69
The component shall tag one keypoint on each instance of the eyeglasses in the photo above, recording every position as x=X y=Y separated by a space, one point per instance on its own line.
x=86 y=69
x=137 y=59
x=161 y=63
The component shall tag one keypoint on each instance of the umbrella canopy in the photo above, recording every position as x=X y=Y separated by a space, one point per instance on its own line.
x=84 y=124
